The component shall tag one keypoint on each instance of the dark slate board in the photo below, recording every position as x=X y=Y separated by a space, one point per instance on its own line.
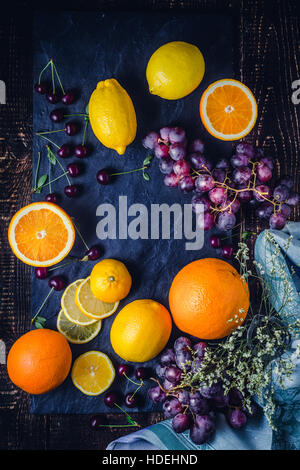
x=87 y=48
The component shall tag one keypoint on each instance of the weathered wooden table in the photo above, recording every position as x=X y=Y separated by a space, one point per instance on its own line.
x=266 y=58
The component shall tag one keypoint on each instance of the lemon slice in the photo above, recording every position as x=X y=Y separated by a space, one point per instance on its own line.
x=71 y=311
x=89 y=305
x=76 y=334
x=93 y=373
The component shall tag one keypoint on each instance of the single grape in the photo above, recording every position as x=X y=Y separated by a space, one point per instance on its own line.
x=246 y=149
x=262 y=193
x=182 y=359
x=268 y=161
x=205 y=221
x=204 y=182
x=167 y=385
x=182 y=344
x=265 y=210
x=203 y=429
x=186 y=184
x=217 y=195
x=242 y=175
x=235 y=397
x=281 y=193
x=239 y=160
x=166 y=165
x=171 y=180
x=181 y=422
x=181 y=168
x=156 y=394
x=176 y=135
x=277 y=221
x=285 y=210
x=226 y=221
x=236 y=418
x=219 y=175
x=167 y=357
x=231 y=205
x=199 y=162
x=161 y=151
x=183 y=397
x=198 y=404
x=164 y=133
x=220 y=401
x=293 y=199
x=227 y=251
x=161 y=371
x=287 y=181
x=173 y=375
x=177 y=152
x=199 y=201
x=263 y=172
x=196 y=145
x=223 y=164
x=244 y=196
x=212 y=391
x=150 y=141
x=200 y=349
x=215 y=241
x=171 y=407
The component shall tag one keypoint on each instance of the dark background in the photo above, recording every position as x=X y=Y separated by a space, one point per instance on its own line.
x=265 y=57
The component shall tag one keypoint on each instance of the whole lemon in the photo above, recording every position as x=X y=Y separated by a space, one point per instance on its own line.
x=110 y=280
x=175 y=70
x=141 y=330
x=112 y=115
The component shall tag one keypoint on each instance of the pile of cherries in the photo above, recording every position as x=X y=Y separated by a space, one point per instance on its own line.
x=220 y=191
x=195 y=408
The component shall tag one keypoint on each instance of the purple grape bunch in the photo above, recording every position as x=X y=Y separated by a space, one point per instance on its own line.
x=219 y=192
x=195 y=409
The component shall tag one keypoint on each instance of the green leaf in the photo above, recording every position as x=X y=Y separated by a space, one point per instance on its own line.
x=130 y=420
x=147 y=160
x=51 y=157
x=40 y=322
x=146 y=176
x=42 y=180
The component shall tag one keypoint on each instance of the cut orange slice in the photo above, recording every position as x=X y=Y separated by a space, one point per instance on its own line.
x=41 y=234
x=228 y=109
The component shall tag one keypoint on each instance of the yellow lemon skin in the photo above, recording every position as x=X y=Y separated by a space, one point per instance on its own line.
x=175 y=70
x=110 y=280
x=112 y=115
x=141 y=330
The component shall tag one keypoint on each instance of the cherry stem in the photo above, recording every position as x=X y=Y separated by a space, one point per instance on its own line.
x=76 y=114
x=51 y=132
x=130 y=380
x=37 y=169
x=57 y=160
x=123 y=411
x=58 y=78
x=45 y=300
x=84 y=132
x=141 y=384
x=46 y=138
x=64 y=264
x=52 y=181
x=52 y=75
x=130 y=171
x=81 y=237
x=40 y=76
x=49 y=182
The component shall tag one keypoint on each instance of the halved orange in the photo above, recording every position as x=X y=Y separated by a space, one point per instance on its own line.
x=228 y=109
x=41 y=234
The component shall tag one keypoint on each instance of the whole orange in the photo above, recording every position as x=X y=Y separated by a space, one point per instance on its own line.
x=208 y=299
x=39 y=361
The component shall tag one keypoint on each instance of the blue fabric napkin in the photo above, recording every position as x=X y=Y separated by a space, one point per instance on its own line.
x=257 y=435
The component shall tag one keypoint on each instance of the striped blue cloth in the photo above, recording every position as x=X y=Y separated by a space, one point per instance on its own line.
x=257 y=435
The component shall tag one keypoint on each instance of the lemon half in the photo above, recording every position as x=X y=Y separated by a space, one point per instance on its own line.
x=93 y=373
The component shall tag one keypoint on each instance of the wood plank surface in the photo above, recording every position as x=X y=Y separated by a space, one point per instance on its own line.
x=266 y=58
